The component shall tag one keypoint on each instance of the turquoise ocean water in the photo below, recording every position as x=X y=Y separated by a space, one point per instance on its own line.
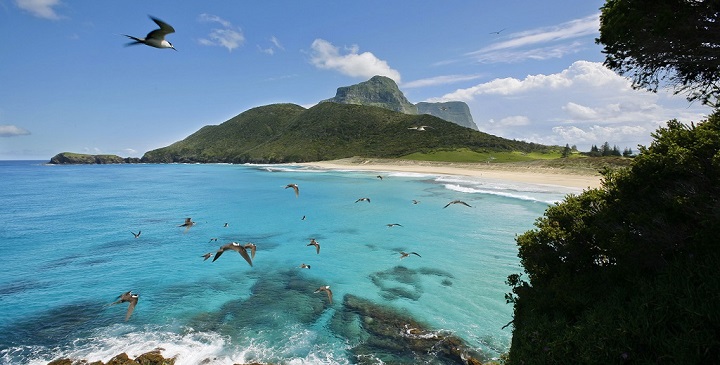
x=68 y=252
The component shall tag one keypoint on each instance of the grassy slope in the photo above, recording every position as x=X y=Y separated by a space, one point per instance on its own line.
x=289 y=133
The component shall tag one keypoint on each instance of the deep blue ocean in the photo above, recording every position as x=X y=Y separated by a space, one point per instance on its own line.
x=68 y=251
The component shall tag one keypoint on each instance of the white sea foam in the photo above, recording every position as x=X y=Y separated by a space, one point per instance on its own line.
x=189 y=348
x=522 y=191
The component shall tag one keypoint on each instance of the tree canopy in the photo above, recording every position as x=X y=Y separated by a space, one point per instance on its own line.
x=628 y=272
x=659 y=42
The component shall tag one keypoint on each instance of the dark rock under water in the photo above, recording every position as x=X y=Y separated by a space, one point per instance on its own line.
x=375 y=332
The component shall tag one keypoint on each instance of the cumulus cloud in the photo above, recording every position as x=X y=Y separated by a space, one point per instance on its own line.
x=227 y=36
x=326 y=56
x=584 y=104
x=9 y=130
x=440 y=80
x=541 y=43
x=40 y=8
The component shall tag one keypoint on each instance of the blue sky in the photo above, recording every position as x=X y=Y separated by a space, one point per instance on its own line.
x=528 y=69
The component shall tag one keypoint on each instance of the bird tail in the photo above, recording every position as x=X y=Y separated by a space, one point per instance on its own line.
x=135 y=41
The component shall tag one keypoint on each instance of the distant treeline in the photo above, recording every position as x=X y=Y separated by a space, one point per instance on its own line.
x=604 y=150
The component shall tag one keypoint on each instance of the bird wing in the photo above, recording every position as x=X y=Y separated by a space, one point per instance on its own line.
x=252 y=252
x=131 y=307
x=245 y=255
x=466 y=204
x=329 y=293
x=415 y=253
x=219 y=252
x=317 y=247
x=447 y=205
x=165 y=28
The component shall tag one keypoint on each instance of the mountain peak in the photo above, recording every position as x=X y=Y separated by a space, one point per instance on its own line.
x=380 y=91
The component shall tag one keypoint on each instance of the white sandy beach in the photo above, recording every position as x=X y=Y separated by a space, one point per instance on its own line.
x=509 y=172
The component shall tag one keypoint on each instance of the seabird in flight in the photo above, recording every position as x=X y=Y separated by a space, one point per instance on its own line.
x=457 y=202
x=188 y=223
x=326 y=289
x=363 y=200
x=234 y=246
x=156 y=38
x=304 y=266
x=406 y=254
x=137 y=235
x=420 y=128
x=390 y=225
x=295 y=187
x=314 y=243
x=129 y=297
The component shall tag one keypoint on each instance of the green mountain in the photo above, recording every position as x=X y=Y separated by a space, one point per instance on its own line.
x=379 y=91
x=280 y=133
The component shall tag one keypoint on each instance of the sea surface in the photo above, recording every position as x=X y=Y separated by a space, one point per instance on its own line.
x=68 y=251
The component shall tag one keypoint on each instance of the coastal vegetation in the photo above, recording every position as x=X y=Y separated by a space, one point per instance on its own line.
x=626 y=273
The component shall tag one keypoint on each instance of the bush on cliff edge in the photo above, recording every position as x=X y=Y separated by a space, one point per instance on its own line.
x=628 y=272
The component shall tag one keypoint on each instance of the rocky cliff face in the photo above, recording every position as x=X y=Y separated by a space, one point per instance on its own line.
x=379 y=91
x=453 y=111
x=383 y=92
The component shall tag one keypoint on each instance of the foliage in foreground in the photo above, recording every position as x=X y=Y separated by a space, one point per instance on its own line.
x=628 y=273
x=658 y=42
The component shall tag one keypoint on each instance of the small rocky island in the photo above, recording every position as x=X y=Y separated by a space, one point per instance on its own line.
x=69 y=158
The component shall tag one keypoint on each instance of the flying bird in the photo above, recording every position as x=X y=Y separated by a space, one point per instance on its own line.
x=137 y=235
x=213 y=240
x=155 y=38
x=379 y=177
x=207 y=256
x=304 y=266
x=390 y=225
x=326 y=289
x=295 y=187
x=234 y=246
x=420 y=128
x=314 y=243
x=251 y=246
x=188 y=223
x=457 y=202
x=363 y=200
x=129 y=297
x=415 y=201
x=498 y=32
x=406 y=254
x=225 y=226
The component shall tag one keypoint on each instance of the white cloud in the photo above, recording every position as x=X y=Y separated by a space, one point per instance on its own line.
x=542 y=43
x=40 y=8
x=9 y=130
x=440 y=80
x=515 y=121
x=228 y=36
x=271 y=49
x=583 y=104
x=326 y=56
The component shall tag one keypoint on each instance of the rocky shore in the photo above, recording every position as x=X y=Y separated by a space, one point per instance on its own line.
x=150 y=358
x=380 y=333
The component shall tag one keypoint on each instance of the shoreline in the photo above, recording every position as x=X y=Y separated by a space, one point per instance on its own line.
x=583 y=179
